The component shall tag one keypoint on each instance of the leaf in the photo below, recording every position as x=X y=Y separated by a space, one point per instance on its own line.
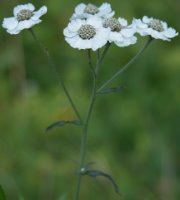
x=2 y=194
x=95 y=173
x=76 y=122
x=62 y=123
x=111 y=90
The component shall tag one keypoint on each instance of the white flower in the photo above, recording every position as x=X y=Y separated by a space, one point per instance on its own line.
x=83 y=11
x=86 y=34
x=120 y=33
x=24 y=18
x=155 y=28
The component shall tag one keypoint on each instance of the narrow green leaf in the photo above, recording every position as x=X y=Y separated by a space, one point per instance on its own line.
x=75 y=122
x=95 y=173
x=62 y=123
x=2 y=194
x=111 y=90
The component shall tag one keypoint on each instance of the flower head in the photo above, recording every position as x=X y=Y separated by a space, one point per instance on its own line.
x=86 y=34
x=120 y=33
x=155 y=28
x=24 y=18
x=83 y=11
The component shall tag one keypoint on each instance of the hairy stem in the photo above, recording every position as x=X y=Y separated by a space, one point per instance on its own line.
x=100 y=57
x=85 y=126
x=59 y=77
x=121 y=70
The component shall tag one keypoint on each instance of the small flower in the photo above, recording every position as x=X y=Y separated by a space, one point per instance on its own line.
x=155 y=28
x=24 y=18
x=83 y=11
x=120 y=33
x=86 y=34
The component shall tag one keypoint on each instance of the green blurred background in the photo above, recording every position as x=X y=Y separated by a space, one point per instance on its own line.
x=134 y=135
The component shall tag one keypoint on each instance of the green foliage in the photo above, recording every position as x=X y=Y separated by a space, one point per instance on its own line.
x=2 y=194
x=134 y=134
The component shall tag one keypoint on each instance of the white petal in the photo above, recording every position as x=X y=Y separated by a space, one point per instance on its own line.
x=132 y=40
x=10 y=23
x=39 y=13
x=101 y=38
x=170 y=33
x=105 y=8
x=105 y=11
x=122 y=21
x=73 y=17
x=137 y=21
x=127 y=32
x=99 y=41
x=165 y=26
x=109 y=15
x=158 y=35
x=115 y=36
x=75 y=25
x=18 y=8
x=29 y=6
x=96 y=45
x=14 y=31
x=26 y=24
x=126 y=42
x=144 y=32
x=141 y=25
x=83 y=44
x=146 y=19
x=104 y=33
x=72 y=41
x=121 y=43
x=68 y=33
x=95 y=21
x=80 y=8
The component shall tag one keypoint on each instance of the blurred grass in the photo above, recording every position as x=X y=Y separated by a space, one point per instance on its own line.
x=133 y=135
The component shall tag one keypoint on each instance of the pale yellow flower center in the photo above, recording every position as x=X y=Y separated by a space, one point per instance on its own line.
x=91 y=9
x=24 y=14
x=156 y=25
x=113 y=24
x=86 y=32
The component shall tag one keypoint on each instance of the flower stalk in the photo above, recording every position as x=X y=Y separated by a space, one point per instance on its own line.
x=59 y=77
x=101 y=57
x=95 y=91
x=86 y=124
x=125 y=67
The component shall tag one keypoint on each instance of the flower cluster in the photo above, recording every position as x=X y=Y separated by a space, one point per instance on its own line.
x=24 y=18
x=91 y=27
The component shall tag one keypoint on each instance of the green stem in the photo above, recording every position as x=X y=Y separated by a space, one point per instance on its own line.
x=125 y=66
x=59 y=78
x=85 y=127
x=100 y=57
